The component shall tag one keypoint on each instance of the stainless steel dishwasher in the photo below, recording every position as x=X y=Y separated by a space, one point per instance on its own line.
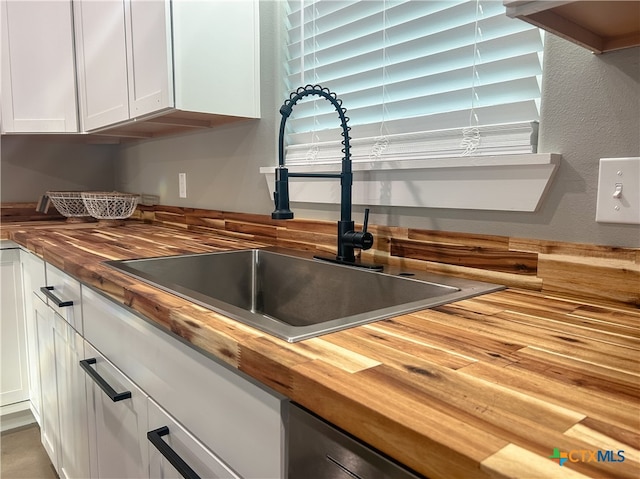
x=317 y=450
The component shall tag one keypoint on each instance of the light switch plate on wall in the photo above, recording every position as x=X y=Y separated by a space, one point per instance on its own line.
x=619 y=191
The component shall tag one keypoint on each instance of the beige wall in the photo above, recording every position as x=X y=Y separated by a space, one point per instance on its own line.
x=222 y=165
x=591 y=109
x=31 y=166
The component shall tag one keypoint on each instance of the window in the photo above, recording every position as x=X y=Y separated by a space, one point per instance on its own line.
x=419 y=79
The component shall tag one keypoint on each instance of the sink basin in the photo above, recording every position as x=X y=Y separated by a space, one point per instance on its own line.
x=295 y=297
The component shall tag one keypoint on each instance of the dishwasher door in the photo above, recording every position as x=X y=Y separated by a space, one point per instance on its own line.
x=318 y=450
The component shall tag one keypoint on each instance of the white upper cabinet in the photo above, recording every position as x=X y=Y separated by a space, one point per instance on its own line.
x=102 y=63
x=149 y=56
x=179 y=64
x=124 y=64
x=38 y=75
x=217 y=56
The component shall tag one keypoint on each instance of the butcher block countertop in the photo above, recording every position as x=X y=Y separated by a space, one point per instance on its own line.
x=491 y=386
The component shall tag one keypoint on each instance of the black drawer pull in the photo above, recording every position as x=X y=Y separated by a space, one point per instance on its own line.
x=46 y=290
x=172 y=456
x=109 y=391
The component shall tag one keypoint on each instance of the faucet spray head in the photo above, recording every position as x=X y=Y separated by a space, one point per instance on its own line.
x=281 y=195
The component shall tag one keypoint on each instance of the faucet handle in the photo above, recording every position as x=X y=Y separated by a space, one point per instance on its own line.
x=366 y=220
x=359 y=239
x=365 y=239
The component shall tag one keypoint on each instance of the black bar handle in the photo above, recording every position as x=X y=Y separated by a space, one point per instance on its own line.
x=108 y=390
x=172 y=456
x=46 y=290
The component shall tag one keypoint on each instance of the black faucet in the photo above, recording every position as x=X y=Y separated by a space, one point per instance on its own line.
x=348 y=239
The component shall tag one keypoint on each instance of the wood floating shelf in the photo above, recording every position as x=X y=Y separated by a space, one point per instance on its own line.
x=600 y=26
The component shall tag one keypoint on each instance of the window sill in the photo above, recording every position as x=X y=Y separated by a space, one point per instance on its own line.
x=500 y=183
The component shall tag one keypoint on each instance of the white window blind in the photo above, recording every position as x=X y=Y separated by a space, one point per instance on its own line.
x=419 y=79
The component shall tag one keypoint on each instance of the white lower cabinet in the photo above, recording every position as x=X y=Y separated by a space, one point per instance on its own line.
x=176 y=453
x=235 y=418
x=14 y=383
x=56 y=381
x=63 y=411
x=49 y=423
x=117 y=420
x=117 y=397
x=73 y=450
x=33 y=276
x=131 y=436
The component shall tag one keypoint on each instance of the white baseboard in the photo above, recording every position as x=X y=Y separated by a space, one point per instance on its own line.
x=16 y=415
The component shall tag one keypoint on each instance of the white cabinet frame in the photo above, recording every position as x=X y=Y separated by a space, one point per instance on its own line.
x=38 y=70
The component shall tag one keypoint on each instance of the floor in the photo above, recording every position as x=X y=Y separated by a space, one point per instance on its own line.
x=23 y=456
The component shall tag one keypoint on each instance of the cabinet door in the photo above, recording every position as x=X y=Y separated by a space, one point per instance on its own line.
x=149 y=56
x=72 y=403
x=32 y=279
x=14 y=382
x=217 y=69
x=38 y=73
x=49 y=424
x=117 y=427
x=168 y=439
x=101 y=62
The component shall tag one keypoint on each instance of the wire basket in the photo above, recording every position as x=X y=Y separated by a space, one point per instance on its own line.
x=109 y=206
x=69 y=204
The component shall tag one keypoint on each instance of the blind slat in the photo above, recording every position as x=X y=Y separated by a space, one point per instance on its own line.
x=516 y=112
x=412 y=67
x=408 y=97
x=367 y=34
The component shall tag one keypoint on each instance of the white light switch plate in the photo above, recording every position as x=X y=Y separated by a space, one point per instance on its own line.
x=619 y=191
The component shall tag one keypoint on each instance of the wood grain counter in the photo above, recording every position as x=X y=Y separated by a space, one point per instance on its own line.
x=485 y=387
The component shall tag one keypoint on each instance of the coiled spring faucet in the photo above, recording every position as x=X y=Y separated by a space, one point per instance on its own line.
x=348 y=239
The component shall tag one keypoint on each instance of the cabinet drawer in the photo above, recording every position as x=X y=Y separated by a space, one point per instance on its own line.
x=233 y=416
x=63 y=296
x=186 y=447
x=33 y=274
x=117 y=428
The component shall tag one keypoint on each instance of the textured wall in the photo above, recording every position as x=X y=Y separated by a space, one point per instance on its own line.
x=591 y=109
x=222 y=164
x=29 y=167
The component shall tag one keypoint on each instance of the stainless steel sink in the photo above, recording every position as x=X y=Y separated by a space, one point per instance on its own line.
x=295 y=297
